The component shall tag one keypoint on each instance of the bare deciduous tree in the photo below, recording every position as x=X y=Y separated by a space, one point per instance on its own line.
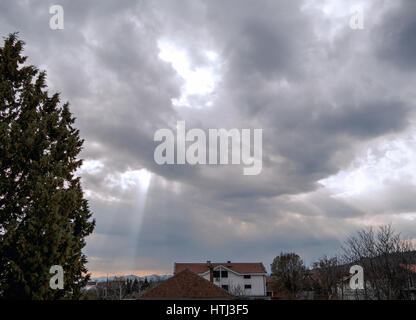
x=237 y=291
x=386 y=259
x=326 y=275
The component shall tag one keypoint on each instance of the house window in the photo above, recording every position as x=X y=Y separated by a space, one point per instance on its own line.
x=224 y=274
x=247 y=286
x=247 y=276
x=225 y=287
x=216 y=274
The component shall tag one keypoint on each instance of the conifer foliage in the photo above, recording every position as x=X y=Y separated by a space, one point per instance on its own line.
x=44 y=218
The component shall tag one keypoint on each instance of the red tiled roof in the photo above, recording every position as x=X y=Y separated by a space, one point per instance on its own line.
x=272 y=287
x=186 y=285
x=410 y=267
x=247 y=267
x=270 y=283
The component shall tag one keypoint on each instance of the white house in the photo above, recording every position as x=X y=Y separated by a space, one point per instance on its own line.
x=248 y=278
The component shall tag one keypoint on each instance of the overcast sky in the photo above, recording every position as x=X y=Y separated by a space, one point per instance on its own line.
x=336 y=105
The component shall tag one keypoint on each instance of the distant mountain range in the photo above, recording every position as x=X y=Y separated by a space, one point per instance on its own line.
x=132 y=277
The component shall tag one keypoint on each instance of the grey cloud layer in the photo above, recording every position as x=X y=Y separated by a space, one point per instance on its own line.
x=318 y=100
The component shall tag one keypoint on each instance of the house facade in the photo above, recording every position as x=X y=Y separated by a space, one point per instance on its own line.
x=240 y=279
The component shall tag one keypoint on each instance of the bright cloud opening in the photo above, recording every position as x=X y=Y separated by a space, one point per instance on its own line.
x=198 y=81
x=131 y=178
x=91 y=167
x=386 y=163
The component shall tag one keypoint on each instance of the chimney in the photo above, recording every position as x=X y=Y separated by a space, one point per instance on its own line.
x=211 y=271
x=228 y=264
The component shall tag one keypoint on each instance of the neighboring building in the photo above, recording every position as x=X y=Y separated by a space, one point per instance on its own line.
x=346 y=293
x=186 y=285
x=271 y=289
x=411 y=284
x=240 y=279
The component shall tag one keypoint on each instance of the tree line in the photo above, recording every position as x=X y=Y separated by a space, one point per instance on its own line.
x=388 y=262
x=119 y=288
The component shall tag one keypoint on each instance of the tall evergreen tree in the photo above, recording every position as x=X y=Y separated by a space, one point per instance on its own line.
x=44 y=217
x=145 y=284
x=128 y=286
x=135 y=286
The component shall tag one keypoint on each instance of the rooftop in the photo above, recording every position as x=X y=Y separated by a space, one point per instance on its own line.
x=243 y=267
x=186 y=285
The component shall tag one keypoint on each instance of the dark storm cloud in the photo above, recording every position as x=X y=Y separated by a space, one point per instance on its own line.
x=319 y=101
x=373 y=119
x=396 y=41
